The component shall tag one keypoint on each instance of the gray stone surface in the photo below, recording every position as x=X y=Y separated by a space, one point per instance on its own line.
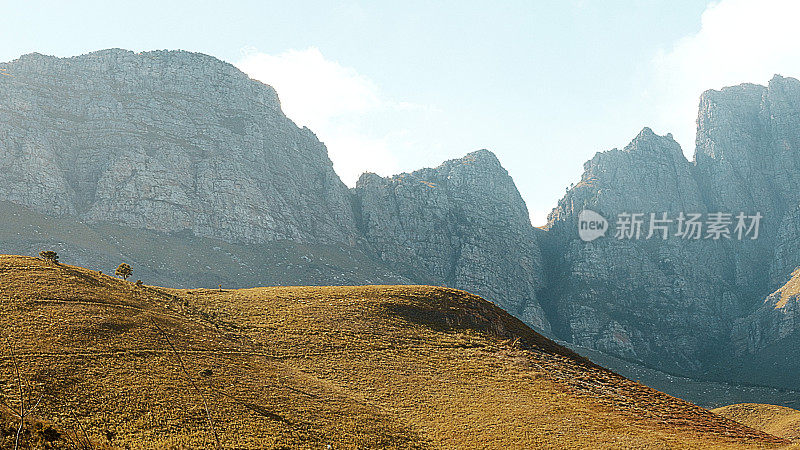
x=747 y=159
x=664 y=302
x=167 y=140
x=673 y=303
x=787 y=248
x=775 y=320
x=747 y=146
x=462 y=224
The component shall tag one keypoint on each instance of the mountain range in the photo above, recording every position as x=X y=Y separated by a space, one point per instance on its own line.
x=184 y=167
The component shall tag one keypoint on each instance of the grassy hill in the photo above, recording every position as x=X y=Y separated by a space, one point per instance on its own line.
x=775 y=420
x=312 y=367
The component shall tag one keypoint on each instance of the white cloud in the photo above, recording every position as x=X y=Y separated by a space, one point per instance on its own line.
x=339 y=105
x=739 y=41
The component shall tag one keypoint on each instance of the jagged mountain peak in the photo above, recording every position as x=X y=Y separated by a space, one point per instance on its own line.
x=746 y=162
x=778 y=80
x=482 y=155
x=483 y=161
x=737 y=89
x=121 y=53
x=647 y=141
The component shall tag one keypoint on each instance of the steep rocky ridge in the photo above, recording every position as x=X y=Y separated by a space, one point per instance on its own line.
x=166 y=140
x=462 y=224
x=748 y=138
x=673 y=303
x=640 y=299
x=747 y=143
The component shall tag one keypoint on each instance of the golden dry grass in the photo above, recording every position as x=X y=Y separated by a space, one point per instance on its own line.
x=309 y=367
x=790 y=289
x=775 y=420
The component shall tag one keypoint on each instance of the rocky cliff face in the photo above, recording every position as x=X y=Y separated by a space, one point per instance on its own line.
x=640 y=298
x=748 y=142
x=747 y=147
x=672 y=303
x=776 y=319
x=170 y=141
x=462 y=224
x=765 y=342
x=748 y=158
x=787 y=247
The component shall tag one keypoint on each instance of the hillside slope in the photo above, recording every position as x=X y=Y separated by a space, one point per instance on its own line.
x=307 y=367
x=183 y=260
x=776 y=420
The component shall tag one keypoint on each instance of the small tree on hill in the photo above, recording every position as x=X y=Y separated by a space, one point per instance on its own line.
x=49 y=256
x=123 y=271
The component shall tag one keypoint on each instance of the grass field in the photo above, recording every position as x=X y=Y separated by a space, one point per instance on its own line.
x=776 y=420
x=133 y=366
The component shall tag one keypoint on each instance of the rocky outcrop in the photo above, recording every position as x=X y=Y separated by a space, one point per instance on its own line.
x=747 y=145
x=462 y=224
x=672 y=303
x=748 y=141
x=748 y=159
x=167 y=140
x=640 y=298
x=787 y=248
x=776 y=319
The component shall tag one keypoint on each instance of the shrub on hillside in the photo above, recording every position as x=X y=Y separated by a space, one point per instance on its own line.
x=49 y=256
x=123 y=271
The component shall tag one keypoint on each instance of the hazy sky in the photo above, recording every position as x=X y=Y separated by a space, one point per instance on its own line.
x=395 y=86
